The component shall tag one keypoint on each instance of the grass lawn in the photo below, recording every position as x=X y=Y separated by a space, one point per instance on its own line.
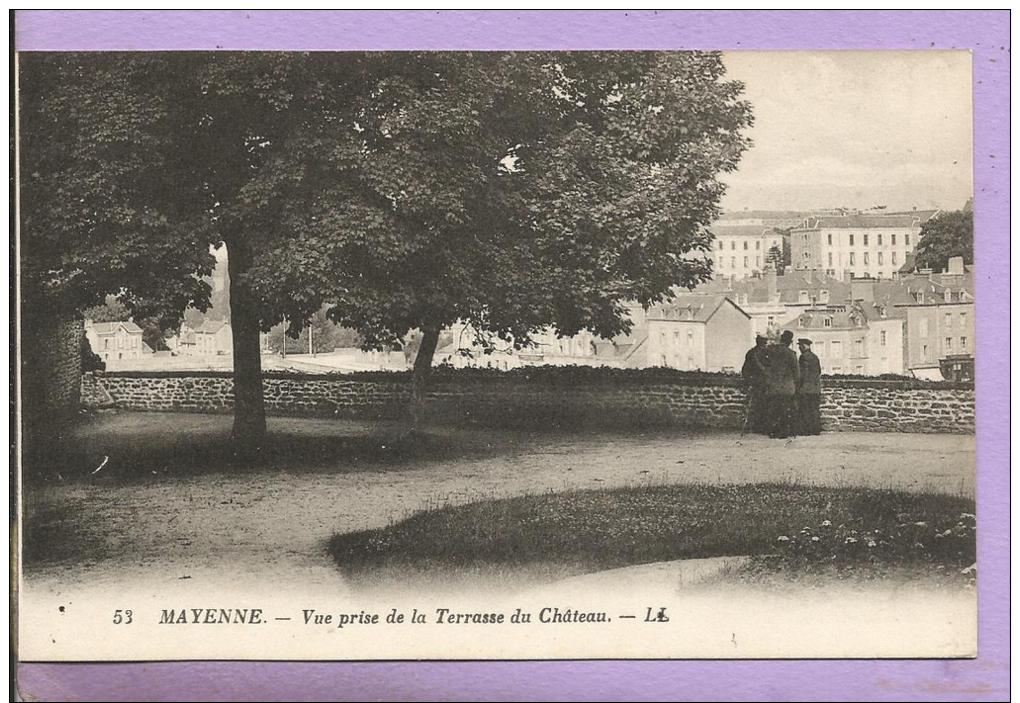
x=789 y=528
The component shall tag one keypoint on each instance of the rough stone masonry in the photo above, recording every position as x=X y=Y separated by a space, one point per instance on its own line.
x=701 y=400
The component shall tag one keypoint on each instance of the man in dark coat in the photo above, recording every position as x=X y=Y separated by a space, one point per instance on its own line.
x=809 y=391
x=781 y=381
x=753 y=373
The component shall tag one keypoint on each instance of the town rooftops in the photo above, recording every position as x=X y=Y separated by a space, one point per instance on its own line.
x=787 y=287
x=721 y=229
x=690 y=307
x=831 y=319
x=206 y=327
x=921 y=290
x=103 y=328
x=211 y=326
x=909 y=219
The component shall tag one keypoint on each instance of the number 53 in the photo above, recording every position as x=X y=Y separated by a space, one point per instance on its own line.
x=121 y=617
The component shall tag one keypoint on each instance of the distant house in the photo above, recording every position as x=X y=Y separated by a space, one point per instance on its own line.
x=691 y=332
x=853 y=338
x=114 y=341
x=212 y=337
x=772 y=300
x=938 y=313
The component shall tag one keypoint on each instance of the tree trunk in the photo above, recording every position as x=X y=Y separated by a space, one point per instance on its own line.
x=420 y=375
x=249 y=411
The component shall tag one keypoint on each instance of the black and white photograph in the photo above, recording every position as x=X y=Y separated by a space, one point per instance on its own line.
x=439 y=355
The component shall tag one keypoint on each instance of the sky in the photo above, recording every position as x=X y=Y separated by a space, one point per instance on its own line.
x=854 y=129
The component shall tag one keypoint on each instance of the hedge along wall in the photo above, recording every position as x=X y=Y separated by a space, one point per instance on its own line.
x=544 y=398
x=50 y=366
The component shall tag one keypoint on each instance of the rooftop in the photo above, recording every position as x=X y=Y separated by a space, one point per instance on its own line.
x=909 y=219
x=721 y=229
x=788 y=287
x=111 y=327
x=690 y=307
x=843 y=318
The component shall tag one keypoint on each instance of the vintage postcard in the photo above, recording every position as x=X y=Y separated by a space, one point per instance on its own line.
x=400 y=355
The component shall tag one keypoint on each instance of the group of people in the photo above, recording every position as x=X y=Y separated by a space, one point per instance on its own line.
x=784 y=392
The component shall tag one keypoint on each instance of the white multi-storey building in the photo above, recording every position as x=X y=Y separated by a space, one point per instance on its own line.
x=863 y=245
x=740 y=251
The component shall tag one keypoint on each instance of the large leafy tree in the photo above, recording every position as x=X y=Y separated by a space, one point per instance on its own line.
x=944 y=236
x=407 y=191
x=510 y=192
x=134 y=165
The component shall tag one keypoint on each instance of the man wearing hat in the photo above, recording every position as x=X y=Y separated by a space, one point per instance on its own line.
x=753 y=373
x=809 y=390
x=781 y=382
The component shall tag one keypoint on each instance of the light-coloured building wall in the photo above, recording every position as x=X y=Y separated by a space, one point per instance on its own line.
x=729 y=334
x=885 y=347
x=677 y=344
x=740 y=256
x=936 y=331
x=118 y=345
x=878 y=252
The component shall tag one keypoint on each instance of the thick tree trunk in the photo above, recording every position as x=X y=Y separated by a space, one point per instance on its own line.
x=420 y=375
x=249 y=411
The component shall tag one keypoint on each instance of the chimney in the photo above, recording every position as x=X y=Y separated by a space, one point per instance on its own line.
x=862 y=289
x=770 y=283
x=955 y=265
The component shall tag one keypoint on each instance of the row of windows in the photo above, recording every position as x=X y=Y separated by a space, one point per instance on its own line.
x=733 y=244
x=676 y=338
x=805 y=296
x=676 y=362
x=733 y=261
x=947 y=345
x=892 y=237
x=867 y=260
x=922 y=325
x=834 y=349
x=122 y=343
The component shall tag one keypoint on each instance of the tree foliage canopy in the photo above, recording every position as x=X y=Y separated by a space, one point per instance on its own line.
x=510 y=191
x=944 y=236
x=407 y=190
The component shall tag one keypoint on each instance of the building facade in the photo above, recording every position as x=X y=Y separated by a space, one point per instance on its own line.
x=741 y=251
x=772 y=300
x=211 y=338
x=861 y=245
x=846 y=341
x=691 y=332
x=116 y=341
x=937 y=313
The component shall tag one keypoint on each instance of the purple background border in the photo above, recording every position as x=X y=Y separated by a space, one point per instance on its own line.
x=986 y=33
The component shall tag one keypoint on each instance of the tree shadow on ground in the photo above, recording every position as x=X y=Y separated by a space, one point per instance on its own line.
x=148 y=446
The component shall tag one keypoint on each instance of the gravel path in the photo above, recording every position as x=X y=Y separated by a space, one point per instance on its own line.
x=270 y=528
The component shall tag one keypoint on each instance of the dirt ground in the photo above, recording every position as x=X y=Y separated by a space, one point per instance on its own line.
x=177 y=525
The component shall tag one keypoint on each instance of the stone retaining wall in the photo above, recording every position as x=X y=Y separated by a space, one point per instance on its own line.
x=612 y=400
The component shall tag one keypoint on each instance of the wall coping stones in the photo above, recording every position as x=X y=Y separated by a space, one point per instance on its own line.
x=556 y=376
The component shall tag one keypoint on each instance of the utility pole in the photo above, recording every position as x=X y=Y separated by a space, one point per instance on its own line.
x=310 y=351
